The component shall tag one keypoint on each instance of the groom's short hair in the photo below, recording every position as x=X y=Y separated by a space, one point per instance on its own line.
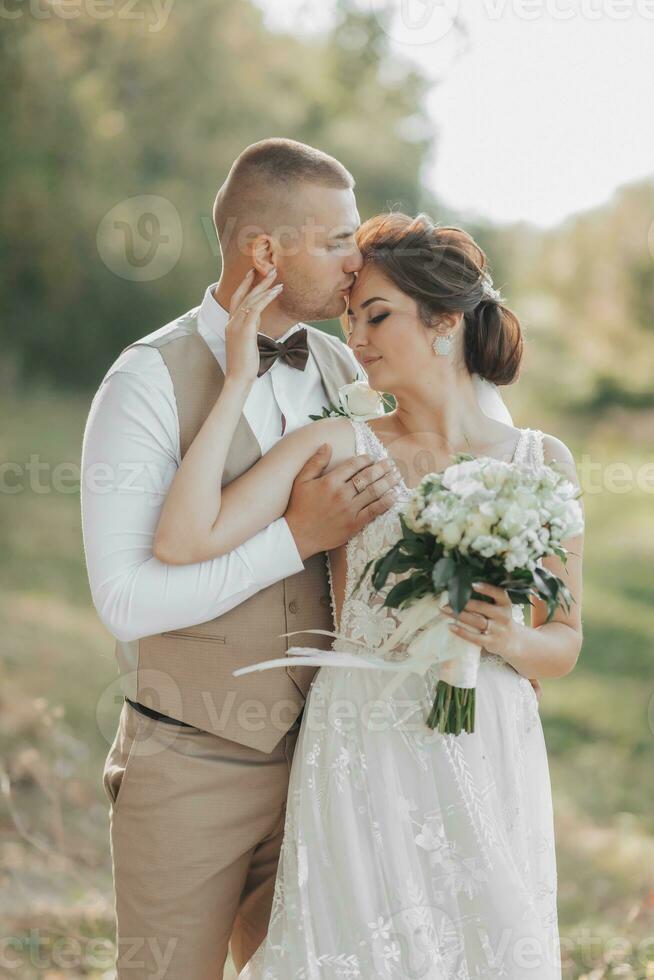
x=265 y=173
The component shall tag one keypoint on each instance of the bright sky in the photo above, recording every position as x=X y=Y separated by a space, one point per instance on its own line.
x=545 y=105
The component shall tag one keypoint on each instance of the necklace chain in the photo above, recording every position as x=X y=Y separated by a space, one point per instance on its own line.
x=449 y=445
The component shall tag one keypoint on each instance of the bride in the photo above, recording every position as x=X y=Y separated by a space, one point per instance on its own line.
x=407 y=853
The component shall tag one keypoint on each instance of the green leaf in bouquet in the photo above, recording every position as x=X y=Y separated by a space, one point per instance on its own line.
x=407 y=533
x=519 y=596
x=519 y=586
x=385 y=566
x=413 y=588
x=442 y=573
x=401 y=593
x=520 y=576
x=485 y=572
x=460 y=588
x=552 y=606
x=565 y=597
x=405 y=563
x=417 y=547
x=546 y=581
x=428 y=485
x=395 y=560
x=552 y=591
x=437 y=551
x=363 y=574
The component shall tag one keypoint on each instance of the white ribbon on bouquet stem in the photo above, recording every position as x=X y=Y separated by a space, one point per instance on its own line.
x=423 y=626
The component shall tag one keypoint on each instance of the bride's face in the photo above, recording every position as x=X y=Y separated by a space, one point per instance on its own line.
x=386 y=333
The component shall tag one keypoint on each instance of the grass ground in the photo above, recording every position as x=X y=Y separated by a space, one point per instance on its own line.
x=55 y=724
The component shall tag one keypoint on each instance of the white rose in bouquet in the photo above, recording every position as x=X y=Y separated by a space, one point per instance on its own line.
x=477 y=523
x=451 y=533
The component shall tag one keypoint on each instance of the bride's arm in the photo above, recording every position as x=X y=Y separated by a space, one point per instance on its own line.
x=199 y=519
x=195 y=528
x=542 y=649
x=552 y=649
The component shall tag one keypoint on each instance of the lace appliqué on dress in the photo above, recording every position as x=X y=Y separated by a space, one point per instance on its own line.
x=406 y=852
x=363 y=616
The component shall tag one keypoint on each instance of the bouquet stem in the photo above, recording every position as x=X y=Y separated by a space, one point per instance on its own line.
x=453 y=710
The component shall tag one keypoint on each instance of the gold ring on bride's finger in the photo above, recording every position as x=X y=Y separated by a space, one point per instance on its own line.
x=357 y=480
x=486 y=627
x=246 y=310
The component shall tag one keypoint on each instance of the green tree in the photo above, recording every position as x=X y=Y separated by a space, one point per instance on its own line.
x=104 y=110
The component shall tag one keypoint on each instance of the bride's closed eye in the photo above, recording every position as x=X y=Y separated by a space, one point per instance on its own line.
x=379 y=318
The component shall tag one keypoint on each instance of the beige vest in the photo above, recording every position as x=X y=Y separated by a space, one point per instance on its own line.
x=187 y=673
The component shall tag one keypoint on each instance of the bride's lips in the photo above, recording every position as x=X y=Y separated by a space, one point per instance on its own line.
x=367 y=361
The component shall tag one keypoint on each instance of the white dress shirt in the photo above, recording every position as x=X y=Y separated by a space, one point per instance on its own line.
x=129 y=458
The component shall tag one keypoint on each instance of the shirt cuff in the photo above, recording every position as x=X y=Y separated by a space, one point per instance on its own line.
x=273 y=554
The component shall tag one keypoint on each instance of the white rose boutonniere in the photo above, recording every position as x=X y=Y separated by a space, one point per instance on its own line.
x=357 y=401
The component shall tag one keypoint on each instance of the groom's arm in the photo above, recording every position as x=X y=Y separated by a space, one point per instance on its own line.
x=129 y=457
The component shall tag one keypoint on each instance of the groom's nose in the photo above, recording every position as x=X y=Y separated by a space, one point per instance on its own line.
x=353 y=262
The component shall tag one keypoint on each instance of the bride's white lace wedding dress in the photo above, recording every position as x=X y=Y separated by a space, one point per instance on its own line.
x=408 y=853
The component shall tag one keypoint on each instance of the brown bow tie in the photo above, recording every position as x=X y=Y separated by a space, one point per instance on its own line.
x=295 y=351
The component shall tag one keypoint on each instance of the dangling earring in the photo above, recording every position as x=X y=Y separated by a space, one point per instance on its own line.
x=443 y=345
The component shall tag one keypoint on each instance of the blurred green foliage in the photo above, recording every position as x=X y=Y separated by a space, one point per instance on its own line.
x=103 y=110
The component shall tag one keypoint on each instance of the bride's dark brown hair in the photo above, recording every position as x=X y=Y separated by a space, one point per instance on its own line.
x=443 y=270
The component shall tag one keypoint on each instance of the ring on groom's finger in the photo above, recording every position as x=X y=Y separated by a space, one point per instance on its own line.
x=359 y=483
x=486 y=627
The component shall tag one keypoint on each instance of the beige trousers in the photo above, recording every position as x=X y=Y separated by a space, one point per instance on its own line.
x=196 y=829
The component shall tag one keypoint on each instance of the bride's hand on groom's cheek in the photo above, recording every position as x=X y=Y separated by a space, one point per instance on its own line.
x=245 y=309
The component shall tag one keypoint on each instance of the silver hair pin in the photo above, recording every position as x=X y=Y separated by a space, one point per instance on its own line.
x=489 y=290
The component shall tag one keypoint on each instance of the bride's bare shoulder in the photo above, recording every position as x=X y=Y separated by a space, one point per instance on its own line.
x=337 y=431
x=556 y=451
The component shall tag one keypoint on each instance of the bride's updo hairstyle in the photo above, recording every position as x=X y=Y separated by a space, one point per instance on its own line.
x=444 y=271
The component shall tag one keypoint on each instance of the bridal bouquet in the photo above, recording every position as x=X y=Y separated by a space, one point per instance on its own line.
x=481 y=520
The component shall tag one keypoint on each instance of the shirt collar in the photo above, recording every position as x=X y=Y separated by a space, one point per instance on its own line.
x=212 y=318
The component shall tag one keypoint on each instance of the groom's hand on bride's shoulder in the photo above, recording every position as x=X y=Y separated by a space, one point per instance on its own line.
x=326 y=509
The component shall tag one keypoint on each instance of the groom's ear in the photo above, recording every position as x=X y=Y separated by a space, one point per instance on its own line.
x=262 y=250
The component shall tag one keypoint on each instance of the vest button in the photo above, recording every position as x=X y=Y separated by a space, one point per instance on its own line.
x=292 y=606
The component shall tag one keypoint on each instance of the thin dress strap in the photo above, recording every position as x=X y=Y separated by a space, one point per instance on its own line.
x=365 y=441
x=530 y=448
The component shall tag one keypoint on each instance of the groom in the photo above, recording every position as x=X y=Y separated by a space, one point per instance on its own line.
x=197 y=776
